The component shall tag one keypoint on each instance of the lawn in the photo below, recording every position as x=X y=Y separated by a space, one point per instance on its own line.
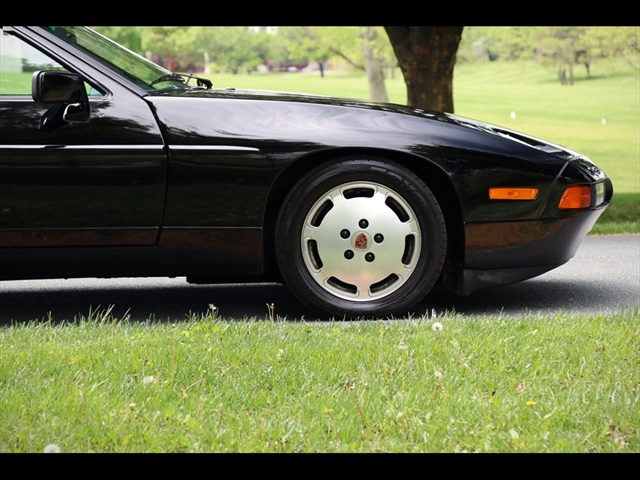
x=554 y=384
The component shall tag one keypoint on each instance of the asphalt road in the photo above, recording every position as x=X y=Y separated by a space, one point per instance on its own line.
x=603 y=277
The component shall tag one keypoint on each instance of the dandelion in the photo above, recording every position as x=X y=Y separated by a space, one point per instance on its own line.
x=52 y=448
x=530 y=403
x=437 y=326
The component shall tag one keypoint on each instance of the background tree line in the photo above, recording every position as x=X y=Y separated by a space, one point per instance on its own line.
x=425 y=56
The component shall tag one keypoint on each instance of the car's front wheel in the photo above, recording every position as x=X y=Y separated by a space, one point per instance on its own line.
x=360 y=238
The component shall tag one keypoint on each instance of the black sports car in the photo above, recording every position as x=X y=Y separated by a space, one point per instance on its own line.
x=111 y=166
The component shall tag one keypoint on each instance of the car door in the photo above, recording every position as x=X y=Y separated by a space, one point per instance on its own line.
x=97 y=183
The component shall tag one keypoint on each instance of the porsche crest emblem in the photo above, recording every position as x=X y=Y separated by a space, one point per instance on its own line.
x=361 y=241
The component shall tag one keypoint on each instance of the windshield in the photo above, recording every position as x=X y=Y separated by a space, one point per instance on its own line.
x=125 y=62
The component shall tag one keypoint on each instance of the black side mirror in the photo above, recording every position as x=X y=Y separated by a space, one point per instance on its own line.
x=66 y=92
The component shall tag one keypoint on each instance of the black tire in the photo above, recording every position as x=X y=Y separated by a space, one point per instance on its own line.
x=360 y=238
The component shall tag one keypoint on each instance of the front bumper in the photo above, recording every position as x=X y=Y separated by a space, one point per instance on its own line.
x=499 y=254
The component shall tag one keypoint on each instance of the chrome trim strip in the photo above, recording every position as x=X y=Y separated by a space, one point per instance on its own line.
x=132 y=147
x=83 y=147
x=214 y=147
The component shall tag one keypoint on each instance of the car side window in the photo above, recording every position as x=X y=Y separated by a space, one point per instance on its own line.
x=18 y=61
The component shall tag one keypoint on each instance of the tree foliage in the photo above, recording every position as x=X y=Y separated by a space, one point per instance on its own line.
x=127 y=36
x=362 y=48
x=562 y=48
x=426 y=55
x=234 y=49
x=308 y=44
x=558 y=48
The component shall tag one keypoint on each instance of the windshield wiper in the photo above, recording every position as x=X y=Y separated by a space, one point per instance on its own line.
x=184 y=78
x=169 y=78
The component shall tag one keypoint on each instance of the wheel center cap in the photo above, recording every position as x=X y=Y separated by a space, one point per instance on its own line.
x=361 y=241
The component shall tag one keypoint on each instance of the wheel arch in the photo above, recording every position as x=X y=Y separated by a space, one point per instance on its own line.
x=431 y=173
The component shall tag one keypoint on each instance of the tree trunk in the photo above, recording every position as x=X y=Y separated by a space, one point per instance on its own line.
x=570 y=74
x=427 y=56
x=375 y=75
x=321 y=68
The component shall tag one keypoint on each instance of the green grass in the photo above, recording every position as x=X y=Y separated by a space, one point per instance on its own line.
x=621 y=216
x=535 y=384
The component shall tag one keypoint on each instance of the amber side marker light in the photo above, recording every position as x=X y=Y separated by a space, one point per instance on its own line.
x=510 y=193
x=576 y=197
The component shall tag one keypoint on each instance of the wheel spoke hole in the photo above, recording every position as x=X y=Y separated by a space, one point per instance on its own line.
x=396 y=208
x=409 y=249
x=384 y=284
x=342 y=286
x=358 y=192
x=321 y=212
x=314 y=256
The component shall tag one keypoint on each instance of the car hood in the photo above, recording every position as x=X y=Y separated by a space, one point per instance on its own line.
x=276 y=96
x=444 y=129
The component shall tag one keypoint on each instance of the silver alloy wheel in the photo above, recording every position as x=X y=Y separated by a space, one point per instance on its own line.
x=361 y=241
